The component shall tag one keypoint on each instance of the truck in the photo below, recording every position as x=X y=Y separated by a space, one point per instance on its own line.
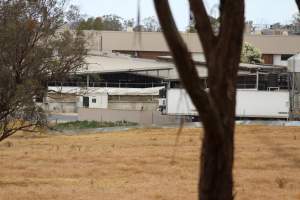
x=251 y=103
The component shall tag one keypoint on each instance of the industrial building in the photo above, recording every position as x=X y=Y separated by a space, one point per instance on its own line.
x=125 y=72
x=275 y=49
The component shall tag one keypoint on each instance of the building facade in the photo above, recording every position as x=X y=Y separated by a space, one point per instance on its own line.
x=275 y=49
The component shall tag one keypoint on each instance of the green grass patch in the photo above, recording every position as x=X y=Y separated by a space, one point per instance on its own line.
x=91 y=124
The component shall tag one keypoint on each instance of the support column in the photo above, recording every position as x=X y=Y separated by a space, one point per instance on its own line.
x=87 y=80
x=257 y=79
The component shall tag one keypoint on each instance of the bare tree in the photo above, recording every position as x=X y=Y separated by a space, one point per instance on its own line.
x=32 y=51
x=216 y=107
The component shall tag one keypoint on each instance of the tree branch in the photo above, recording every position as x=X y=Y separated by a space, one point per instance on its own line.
x=203 y=26
x=187 y=71
x=298 y=4
x=232 y=16
x=9 y=132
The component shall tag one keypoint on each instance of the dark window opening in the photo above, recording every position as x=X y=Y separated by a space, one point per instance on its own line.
x=86 y=102
x=286 y=56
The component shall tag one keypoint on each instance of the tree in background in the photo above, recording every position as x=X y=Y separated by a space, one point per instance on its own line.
x=115 y=23
x=106 y=22
x=112 y=23
x=216 y=106
x=215 y=22
x=33 y=50
x=91 y=24
x=74 y=17
x=250 y=54
x=150 y=24
x=128 y=23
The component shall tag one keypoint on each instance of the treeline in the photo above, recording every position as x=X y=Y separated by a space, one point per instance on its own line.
x=110 y=22
x=115 y=23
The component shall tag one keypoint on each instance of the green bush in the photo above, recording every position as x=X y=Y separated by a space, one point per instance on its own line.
x=91 y=124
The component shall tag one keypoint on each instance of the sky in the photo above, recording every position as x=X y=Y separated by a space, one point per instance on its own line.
x=259 y=11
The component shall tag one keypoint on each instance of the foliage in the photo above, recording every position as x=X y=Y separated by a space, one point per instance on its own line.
x=250 y=54
x=128 y=23
x=33 y=50
x=91 y=124
x=150 y=24
x=106 y=22
x=115 y=23
x=91 y=24
x=112 y=23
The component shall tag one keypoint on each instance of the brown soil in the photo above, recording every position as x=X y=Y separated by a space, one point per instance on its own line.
x=144 y=164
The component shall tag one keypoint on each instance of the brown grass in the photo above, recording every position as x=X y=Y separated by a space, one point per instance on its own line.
x=138 y=165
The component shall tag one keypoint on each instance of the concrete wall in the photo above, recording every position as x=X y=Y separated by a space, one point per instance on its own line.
x=60 y=107
x=140 y=117
x=132 y=105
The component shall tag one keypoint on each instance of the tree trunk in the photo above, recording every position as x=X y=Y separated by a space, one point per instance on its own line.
x=298 y=4
x=215 y=181
x=216 y=107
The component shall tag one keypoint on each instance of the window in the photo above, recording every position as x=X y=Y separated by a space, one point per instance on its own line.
x=94 y=100
x=285 y=57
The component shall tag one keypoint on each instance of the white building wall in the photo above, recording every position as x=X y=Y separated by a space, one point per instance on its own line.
x=98 y=101
x=95 y=100
x=277 y=61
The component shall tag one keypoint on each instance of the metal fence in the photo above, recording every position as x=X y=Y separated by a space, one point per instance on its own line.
x=106 y=84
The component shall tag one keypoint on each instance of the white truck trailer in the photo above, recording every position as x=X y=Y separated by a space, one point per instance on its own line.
x=250 y=103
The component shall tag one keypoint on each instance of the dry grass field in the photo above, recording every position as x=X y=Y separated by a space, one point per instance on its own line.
x=138 y=165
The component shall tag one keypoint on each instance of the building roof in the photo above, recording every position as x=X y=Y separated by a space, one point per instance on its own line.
x=109 y=90
x=117 y=63
x=108 y=63
x=163 y=67
x=154 y=41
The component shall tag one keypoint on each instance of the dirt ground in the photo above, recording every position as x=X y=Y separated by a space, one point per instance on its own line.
x=145 y=164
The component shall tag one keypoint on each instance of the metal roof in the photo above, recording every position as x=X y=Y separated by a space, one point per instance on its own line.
x=162 y=68
x=199 y=59
x=108 y=63
x=106 y=90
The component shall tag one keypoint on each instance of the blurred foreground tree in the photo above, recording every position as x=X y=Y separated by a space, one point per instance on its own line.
x=215 y=23
x=33 y=50
x=297 y=16
x=216 y=106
